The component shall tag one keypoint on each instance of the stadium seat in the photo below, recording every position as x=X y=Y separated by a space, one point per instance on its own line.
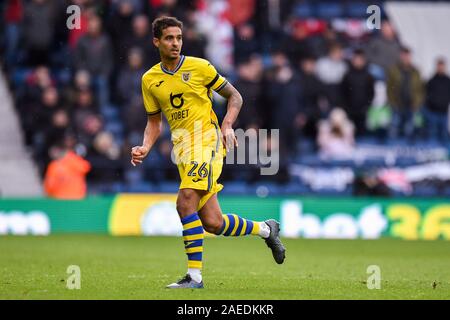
x=357 y=10
x=115 y=128
x=141 y=187
x=167 y=187
x=109 y=112
x=330 y=10
x=425 y=191
x=303 y=10
x=295 y=188
x=235 y=188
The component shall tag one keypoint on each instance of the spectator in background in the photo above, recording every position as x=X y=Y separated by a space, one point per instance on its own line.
x=104 y=156
x=336 y=136
x=120 y=28
x=405 y=93
x=86 y=120
x=194 y=43
x=241 y=11
x=57 y=128
x=297 y=45
x=43 y=119
x=245 y=43
x=81 y=82
x=384 y=50
x=330 y=70
x=284 y=102
x=142 y=38
x=92 y=125
x=30 y=98
x=65 y=177
x=87 y=11
x=38 y=28
x=249 y=84
x=130 y=77
x=13 y=16
x=358 y=91
x=172 y=8
x=84 y=106
x=94 y=54
x=368 y=183
x=313 y=104
x=438 y=103
x=322 y=41
x=37 y=81
x=129 y=92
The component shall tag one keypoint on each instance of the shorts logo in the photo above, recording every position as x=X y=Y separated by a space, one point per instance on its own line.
x=176 y=100
x=186 y=76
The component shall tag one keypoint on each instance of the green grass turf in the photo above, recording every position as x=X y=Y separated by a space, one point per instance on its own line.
x=234 y=268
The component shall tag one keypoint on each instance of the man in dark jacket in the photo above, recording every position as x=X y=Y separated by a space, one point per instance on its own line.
x=358 y=91
x=38 y=30
x=94 y=53
x=437 y=104
x=405 y=93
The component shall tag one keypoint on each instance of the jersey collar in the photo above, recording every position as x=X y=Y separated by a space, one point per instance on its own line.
x=176 y=68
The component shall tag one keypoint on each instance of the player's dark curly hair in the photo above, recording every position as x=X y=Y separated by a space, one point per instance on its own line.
x=161 y=23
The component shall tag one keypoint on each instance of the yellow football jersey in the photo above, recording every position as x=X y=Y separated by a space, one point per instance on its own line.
x=184 y=95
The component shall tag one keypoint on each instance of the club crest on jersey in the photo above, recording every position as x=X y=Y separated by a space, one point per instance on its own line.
x=186 y=76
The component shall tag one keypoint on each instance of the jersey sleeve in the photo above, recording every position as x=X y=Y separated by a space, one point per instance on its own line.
x=212 y=79
x=150 y=103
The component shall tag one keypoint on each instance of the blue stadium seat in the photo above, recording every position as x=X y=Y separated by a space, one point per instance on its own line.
x=109 y=112
x=333 y=192
x=20 y=75
x=141 y=187
x=405 y=161
x=261 y=188
x=167 y=187
x=235 y=188
x=303 y=10
x=357 y=10
x=295 y=188
x=425 y=191
x=447 y=192
x=115 y=128
x=105 y=188
x=330 y=10
x=63 y=76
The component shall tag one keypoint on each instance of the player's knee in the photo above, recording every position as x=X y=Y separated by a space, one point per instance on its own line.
x=213 y=226
x=184 y=209
x=186 y=203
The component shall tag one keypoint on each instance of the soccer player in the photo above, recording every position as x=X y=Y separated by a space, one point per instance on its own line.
x=181 y=87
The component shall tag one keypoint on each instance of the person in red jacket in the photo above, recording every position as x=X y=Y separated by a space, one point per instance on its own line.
x=66 y=177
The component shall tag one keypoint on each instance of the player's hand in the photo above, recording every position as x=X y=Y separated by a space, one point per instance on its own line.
x=138 y=154
x=229 y=139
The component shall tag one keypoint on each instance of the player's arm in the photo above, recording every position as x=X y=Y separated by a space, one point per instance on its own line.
x=233 y=108
x=152 y=131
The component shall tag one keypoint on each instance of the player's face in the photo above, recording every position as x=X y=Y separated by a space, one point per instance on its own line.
x=170 y=43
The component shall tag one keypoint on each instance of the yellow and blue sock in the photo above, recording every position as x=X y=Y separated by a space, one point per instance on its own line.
x=193 y=235
x=233 y=225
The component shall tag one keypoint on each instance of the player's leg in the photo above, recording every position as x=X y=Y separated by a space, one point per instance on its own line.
x=214 y=221
x=193 y=234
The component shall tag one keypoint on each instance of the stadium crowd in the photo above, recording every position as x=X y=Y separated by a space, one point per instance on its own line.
x=325 y=85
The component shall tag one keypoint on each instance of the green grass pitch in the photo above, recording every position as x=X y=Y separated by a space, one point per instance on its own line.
x=234 y=268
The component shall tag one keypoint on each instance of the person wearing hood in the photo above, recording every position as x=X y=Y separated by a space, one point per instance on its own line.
x=65 y=177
